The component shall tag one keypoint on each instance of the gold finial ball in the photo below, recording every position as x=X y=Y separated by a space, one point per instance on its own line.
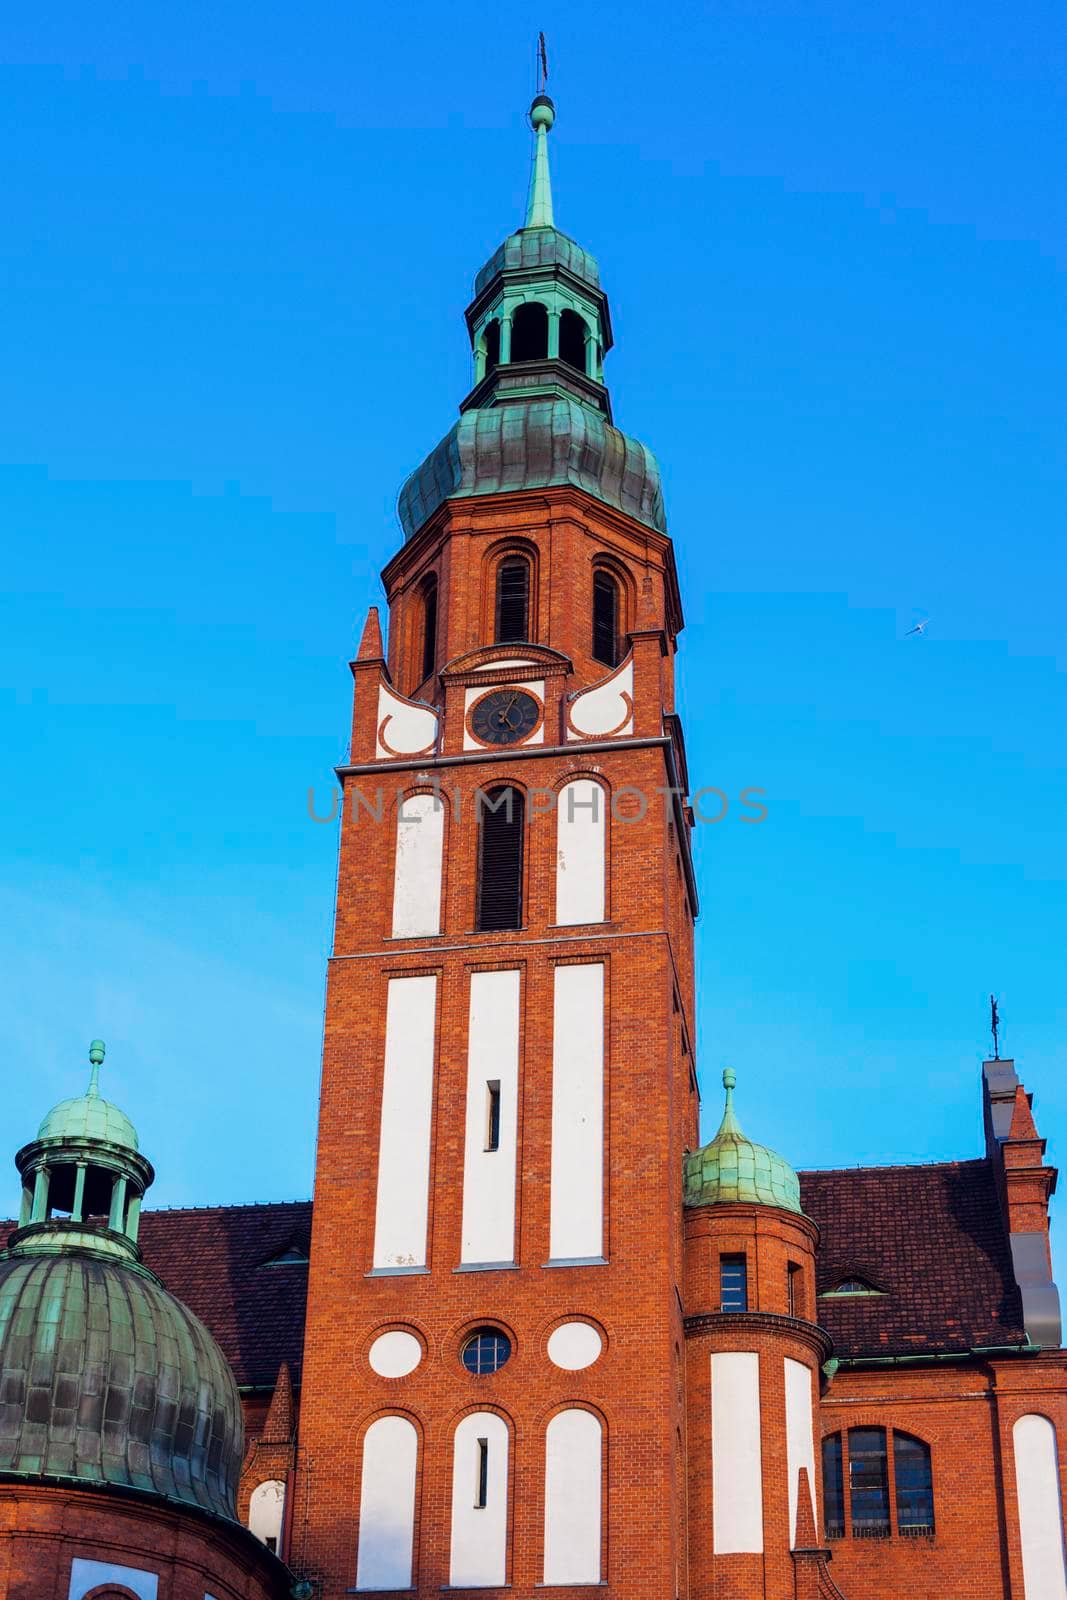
x=96 y=1052
x=542 y=113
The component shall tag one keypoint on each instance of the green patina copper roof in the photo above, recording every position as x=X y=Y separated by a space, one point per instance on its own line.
x=530 y=445
x=107 y=1378
x=539 y=247
x=90 y=1116
x=733 y=1168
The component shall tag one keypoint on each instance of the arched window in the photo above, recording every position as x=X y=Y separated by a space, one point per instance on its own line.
x=492 y=346
x=429 y=627
x=265 y=1511
x=500 y=858
x=581 y=835
x=420 y=839
x=605 y=618
x=1037 y=1485
x=914 y=1484
x=833 y=1486
x=856 y=1495
x=512 y=600
x=572 y=332
x=529 y=332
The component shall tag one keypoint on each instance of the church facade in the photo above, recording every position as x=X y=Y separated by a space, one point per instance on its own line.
x=532 y=1335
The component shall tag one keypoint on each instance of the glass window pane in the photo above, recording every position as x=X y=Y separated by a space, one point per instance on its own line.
x=733 y=1283
x=868 y=1482
x=914 y=1484
x=833 y=1487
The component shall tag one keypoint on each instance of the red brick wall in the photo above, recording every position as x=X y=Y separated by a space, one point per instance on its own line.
x=44 y=1527
x=651 y=1109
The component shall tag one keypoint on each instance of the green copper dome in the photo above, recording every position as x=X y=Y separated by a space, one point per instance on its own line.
x=108 y=1379
x=530 y=446
x=90 y=1116
x=733 y=1168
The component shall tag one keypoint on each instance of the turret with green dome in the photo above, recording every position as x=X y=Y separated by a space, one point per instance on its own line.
x=733 y=1168
x=539 y=412
x=107 y=1378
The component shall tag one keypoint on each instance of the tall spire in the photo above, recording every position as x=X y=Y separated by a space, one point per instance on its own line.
x=539 y=209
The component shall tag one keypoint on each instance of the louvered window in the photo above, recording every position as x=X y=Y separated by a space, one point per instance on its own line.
x=512 y=599
x=500 y=855
x=429 y=628
x=605 y=618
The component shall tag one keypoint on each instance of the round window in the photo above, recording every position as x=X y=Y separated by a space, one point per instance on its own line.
x=486 y=1351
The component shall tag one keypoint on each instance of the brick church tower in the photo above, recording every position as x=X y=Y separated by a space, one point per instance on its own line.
x=493 y=1387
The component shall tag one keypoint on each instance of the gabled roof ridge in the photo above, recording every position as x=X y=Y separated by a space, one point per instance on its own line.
x=226 y=1205
x=894 y=1166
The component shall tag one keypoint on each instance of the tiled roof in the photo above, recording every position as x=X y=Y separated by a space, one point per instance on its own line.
x=932 y=1238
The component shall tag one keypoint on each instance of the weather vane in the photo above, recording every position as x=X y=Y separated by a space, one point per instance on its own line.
x=542 y=65
x=994 y=1022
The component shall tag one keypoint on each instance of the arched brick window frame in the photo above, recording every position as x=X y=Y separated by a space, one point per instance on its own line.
x=605 y=566
x=110 y=1591
x=510 y=550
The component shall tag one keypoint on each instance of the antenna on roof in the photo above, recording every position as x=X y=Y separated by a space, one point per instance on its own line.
x=542 y=65
x=994 y=1023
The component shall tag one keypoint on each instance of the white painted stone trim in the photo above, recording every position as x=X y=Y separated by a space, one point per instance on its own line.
x=573 y=1486
x=736 y=1453
x=488 y=1233
x=400 y=1223
x=479 y=1553
x=387 y=1504
x=577 y=1200
x=1037 y=1485
x=581 y=849
x=420 y=843
x=799 y=1438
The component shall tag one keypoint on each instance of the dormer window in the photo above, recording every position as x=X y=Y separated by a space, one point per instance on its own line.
x=851 y=1285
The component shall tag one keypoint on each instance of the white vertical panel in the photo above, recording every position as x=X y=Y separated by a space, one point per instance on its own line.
x=265 y=1511
x=581 y=835
x=799 y=1439
x=1037 y=1484
x=387 y=1504
x=479 y=1556
x=577 y=1221
x=407 y=1103
x=736 y=1457
x=420 y=838
x=572 y=1498
x=489 y=1175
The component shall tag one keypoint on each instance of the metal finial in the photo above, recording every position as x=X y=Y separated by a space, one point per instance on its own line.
x=96 y=1057
x=539 y=213
x=729 y=1079
x=994 y=1023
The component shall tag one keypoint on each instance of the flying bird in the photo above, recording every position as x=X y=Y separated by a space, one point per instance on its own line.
x=920 y=627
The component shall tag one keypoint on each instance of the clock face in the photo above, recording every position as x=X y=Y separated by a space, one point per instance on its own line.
x=504 y=716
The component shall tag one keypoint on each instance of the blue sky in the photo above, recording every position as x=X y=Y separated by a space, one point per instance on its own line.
x=236 y=251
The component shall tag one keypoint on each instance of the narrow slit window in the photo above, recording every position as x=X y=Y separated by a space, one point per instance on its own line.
x=605 y=618
x=481 y=1488
x=794 y=1286
x=500 y=859
x=429 y=628
x=733 y=1283
x=512 y=600
x=492 y=1115
x=868 y=1483
x=833 y=1486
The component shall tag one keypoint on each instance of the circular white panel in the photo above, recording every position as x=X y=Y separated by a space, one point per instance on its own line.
x=574 y=1345
x=395 y=1354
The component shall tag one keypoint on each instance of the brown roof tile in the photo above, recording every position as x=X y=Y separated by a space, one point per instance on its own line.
x=933 y=1239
